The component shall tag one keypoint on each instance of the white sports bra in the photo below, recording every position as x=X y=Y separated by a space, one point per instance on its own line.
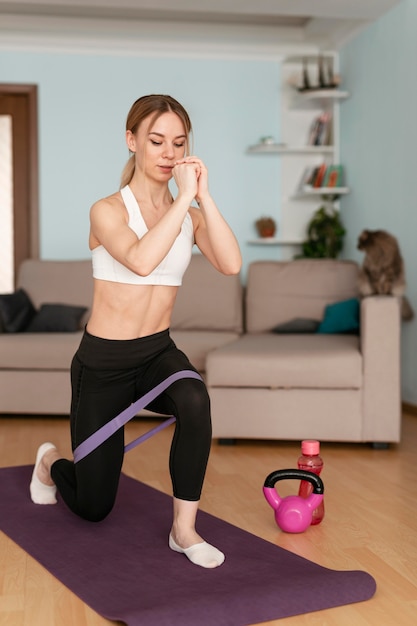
x=171 y=269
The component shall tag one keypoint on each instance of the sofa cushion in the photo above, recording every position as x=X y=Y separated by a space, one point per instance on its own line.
x=56 y=318
x=341 y=317
x=287 y=361
x=207 y=299
x=279 y=291
x=57 y=281
x=198 y=343
x=44 y=351
x=16 y=311
x=38 y=351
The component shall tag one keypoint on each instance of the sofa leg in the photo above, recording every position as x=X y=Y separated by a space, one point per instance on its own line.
x=227 y=441
x=379 y=445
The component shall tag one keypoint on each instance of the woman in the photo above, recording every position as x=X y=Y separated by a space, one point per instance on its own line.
x=141 y=241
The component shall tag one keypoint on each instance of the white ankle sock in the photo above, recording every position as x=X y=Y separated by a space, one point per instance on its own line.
x=39 y=492
x=202 y=554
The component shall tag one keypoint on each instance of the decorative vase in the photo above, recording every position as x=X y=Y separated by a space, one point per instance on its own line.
x=266 y=227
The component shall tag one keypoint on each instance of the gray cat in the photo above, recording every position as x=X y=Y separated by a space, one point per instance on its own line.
x=382 y=270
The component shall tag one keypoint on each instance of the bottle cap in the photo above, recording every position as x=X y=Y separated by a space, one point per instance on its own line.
x=310 y=447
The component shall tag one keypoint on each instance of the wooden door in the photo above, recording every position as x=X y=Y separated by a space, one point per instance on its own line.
x=20 y=102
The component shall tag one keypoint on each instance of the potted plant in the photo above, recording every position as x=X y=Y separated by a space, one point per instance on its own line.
x=325 y=234
x=266 y=227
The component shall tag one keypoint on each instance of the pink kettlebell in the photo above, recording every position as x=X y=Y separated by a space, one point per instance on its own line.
x=293 y=514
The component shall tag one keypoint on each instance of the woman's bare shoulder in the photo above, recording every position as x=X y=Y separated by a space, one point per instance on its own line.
x=106 y=214
x=112 y=201
x=109 y=206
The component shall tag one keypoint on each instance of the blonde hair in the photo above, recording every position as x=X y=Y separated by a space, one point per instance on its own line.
x=141 y=109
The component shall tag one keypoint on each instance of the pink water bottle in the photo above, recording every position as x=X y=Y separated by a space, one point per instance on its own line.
x=311 y=461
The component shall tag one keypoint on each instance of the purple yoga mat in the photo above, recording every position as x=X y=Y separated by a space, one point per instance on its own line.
x=122 y=567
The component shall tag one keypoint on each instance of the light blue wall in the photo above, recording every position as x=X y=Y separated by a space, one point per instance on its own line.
x=378 y=148
x=83 y=103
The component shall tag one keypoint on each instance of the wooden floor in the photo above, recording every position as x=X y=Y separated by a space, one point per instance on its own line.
x=370 y=522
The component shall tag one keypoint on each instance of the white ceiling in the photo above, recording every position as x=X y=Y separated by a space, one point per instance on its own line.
x=266 y=12
x=326 y=23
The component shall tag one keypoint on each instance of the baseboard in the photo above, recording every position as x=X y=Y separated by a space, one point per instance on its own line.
x=409 y=408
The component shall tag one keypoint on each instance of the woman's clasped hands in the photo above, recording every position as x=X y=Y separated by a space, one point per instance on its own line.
x=190 y=175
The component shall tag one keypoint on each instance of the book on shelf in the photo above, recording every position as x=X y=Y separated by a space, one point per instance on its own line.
x=333 y=176
x=321 y=176
x=321 y=130
x=305 y=181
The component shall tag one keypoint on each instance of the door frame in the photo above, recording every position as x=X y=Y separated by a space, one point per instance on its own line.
x=30 y=92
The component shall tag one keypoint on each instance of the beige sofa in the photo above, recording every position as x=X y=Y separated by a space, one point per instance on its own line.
x=337 y=387
x=34 y=367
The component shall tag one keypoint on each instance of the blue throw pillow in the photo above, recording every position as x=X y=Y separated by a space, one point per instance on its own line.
x=341 y=317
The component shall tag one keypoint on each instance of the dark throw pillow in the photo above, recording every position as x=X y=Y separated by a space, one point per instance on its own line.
x=57 y=318
x=16 y=311
x=297 y=325
x=341 y=317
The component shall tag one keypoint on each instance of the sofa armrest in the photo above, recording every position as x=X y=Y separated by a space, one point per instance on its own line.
x=380 y=346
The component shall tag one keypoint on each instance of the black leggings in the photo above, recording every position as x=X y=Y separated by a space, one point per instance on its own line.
x=106 y=377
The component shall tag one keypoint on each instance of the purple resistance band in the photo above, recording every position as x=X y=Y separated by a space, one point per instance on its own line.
x=93 y=441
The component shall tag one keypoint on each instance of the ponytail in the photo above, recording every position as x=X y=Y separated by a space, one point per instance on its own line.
x=128 y=171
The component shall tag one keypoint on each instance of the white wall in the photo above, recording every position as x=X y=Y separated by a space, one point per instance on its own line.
x=378 y=148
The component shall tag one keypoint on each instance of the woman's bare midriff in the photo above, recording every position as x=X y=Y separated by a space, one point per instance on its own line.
x=122 y=311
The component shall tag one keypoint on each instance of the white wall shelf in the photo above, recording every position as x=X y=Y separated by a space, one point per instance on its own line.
x=303 y=114
x=277 y=148
x=317 y=97
x=321 y=191
x=273 y=241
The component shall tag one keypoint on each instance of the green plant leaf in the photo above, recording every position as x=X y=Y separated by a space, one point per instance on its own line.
x=325 y=233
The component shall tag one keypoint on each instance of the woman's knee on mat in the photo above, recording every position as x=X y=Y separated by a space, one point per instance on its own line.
x=95 y=509
x=97 y=489
x=91 y=515
x=88 y=489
